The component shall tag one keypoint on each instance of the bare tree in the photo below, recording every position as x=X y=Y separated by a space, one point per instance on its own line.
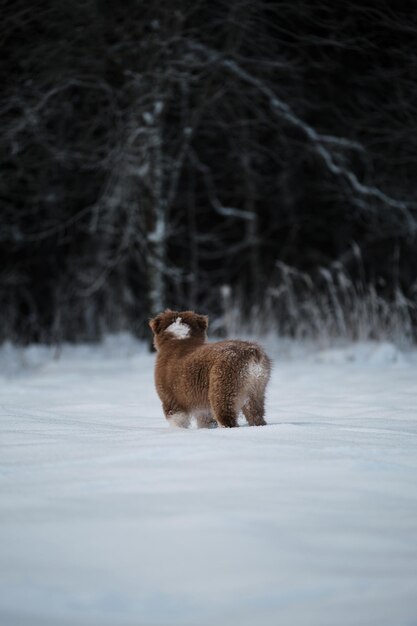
x=153 y=153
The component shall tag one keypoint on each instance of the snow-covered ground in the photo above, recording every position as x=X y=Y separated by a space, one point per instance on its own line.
x=109 y=517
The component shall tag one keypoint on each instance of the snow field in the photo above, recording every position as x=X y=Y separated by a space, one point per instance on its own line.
x=109 y=517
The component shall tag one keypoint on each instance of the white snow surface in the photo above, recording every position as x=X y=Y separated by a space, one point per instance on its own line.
x=109 y=517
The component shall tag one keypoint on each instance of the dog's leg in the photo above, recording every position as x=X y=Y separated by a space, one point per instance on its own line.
x=223 y=393
x=226 y=418
x=224 y=410
x=254 y=411
x=254 y=407
x=205 y=420
x=177 y=418
x=257 y=378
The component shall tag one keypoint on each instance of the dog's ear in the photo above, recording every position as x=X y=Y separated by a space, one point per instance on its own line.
x=157 y=322
x=202 y=322
x=155 y=325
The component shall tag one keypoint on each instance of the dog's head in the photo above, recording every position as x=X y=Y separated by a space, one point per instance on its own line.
x=178 y=326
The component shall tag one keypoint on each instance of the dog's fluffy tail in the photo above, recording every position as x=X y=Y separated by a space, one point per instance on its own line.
x=258 y=368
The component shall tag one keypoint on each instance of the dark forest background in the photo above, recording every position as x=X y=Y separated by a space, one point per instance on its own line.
x=254 y=160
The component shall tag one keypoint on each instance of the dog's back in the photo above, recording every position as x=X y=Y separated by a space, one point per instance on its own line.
x=203 y=379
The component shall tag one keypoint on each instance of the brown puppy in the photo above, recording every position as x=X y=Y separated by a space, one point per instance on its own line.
x=211 y=381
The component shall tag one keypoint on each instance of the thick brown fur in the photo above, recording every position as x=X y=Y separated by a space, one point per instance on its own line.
x=210 y=381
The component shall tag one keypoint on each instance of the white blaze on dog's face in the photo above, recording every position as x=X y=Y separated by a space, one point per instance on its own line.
x=179 y=329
